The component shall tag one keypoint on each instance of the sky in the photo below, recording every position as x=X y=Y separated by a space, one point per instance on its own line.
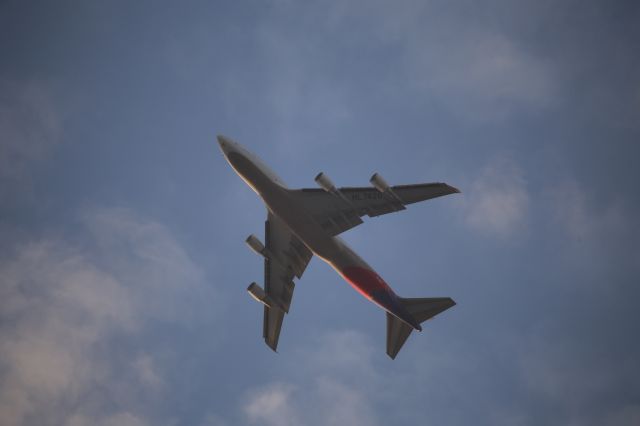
x=123 y=267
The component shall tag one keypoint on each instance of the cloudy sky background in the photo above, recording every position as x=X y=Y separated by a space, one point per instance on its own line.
x=123 y=267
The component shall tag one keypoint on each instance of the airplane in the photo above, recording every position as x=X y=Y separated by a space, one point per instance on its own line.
x=304 y=222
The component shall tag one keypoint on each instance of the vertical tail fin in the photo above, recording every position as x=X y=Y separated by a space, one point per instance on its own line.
x=421 y=309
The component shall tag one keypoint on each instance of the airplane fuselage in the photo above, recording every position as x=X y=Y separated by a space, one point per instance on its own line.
x=277 y=198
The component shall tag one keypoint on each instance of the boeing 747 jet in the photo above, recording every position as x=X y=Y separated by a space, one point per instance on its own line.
x=304 y=222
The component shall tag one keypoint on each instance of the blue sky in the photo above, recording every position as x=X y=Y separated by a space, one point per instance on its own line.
x=123 y=267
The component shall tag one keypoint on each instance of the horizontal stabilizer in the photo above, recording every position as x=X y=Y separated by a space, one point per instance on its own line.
x=421 y=309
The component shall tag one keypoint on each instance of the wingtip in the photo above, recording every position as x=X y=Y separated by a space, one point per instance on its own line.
x=273 y=348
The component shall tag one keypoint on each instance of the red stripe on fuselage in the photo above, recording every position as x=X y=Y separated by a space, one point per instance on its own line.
x=371 y=286
x=365 y=281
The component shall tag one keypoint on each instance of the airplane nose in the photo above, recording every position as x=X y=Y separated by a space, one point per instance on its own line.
x=221 y=140
x=224 y=143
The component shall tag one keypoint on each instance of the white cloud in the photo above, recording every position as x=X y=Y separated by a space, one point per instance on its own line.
x=163 y=270
x=63 y=305
x=336 y=378
x=273 y=405
x=325 y=401
x=478 y=73
x=481 y=75
x=497 y=202
x=334 y=388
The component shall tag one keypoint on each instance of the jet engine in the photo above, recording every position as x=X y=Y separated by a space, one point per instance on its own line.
x=325 y=183
x=379 y=183
x=259 y=295
x=256 y=245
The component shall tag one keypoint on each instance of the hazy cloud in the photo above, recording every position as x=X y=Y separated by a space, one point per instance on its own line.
x=65 y=306
x=497 y=201
x=346 y=353
x=299 y=93
x=582 y=218
x=478 y=72
x=333 y=389
x=597 y=228
x=580 y=387
x=118 y=419
x=272 y=405
x=481 y=75
x=147 y=371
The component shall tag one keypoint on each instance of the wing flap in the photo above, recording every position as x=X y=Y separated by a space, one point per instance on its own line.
x=272 y=324
x=287 y=258
x=337 y=214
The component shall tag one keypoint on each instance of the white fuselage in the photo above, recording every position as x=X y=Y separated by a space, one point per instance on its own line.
x=278 y=200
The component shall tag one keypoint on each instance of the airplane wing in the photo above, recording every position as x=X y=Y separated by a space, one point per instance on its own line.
x=287 y=257
x=340 y=211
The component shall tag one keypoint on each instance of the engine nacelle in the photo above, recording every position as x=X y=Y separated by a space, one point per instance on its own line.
x=259 y=295
x=325 y=183
x=379 y=183
x=256 y=245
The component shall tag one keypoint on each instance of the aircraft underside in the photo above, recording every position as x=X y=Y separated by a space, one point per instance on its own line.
x=307 y=221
